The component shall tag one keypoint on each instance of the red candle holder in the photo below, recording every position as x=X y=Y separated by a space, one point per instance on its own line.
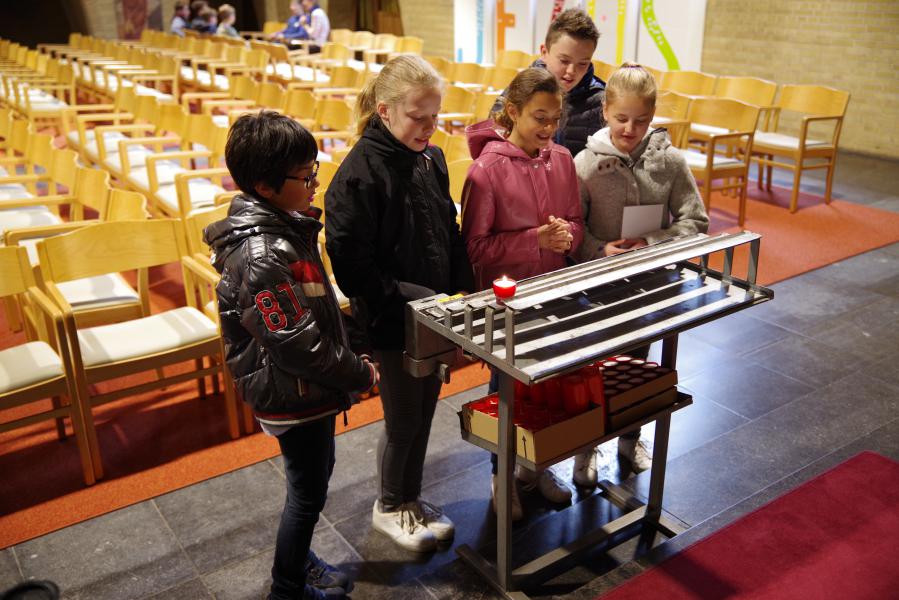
x=504 y=288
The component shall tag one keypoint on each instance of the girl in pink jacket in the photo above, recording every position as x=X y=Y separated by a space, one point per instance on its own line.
x=521 y=211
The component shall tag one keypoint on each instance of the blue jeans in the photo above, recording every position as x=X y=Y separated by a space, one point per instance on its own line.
x=308 y=452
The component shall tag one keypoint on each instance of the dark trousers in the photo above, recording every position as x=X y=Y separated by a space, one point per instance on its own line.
x=409 y=404
x=493 y=386
x=308 y=452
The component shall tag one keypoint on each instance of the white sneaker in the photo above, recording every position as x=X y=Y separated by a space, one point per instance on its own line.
x=517 y=510
x=403 y=527
x=553 y=488
x=636 y=453
x=434 y=519
x=585 y=474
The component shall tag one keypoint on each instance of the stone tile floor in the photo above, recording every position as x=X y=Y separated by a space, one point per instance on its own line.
x=782 y=393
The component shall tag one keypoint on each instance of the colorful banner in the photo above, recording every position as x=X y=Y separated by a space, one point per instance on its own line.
x=655 y=32
x=619 y=32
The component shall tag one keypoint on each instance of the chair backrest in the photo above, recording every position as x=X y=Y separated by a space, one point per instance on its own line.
x=484 y=104
x=513 y=59
x=270 y=27
x=333 y=114
x=300 y=104
x=17 y=275
x=442 y=65
x=815 y=100
x=456 y=148
x=672 y=105
x=270 y=95
x=92 y=189
x=502 y=77
x=688 y=82
x=362 y=39
x=603 y=70
x=410 y=44
x=458 y=99
x=196 y=222
x=466 y=73
x=724 y=112
x=123 y=205
x=345 y=76
x=326 y=172
x=751 y=90
x=458 y=170
x=384 y=41
x=65 y=169
x=342 y=36
x=110 y=247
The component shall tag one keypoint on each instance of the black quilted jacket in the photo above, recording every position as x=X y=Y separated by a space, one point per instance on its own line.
x=286 y=345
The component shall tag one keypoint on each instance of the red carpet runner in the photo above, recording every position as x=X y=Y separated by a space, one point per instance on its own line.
x=833 y=537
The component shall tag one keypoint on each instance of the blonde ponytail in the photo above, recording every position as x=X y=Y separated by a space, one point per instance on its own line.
x=392 y=84
x=631 y=78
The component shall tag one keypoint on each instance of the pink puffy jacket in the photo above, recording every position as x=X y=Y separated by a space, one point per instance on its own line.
x=507 y=196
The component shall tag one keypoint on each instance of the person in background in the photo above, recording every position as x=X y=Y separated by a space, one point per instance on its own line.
x=287 y=348
x=627 y=164
x=319 y=27
x=521 y=211
x=179 y=21
x=392 y=237
x=197 y=23
x=227 y=17
x=295 y=29
x=567 y=53
x=209 y=18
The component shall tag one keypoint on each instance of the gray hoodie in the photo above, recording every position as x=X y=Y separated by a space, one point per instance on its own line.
x=610 y=180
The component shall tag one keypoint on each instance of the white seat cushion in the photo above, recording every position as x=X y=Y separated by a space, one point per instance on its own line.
x=202 y=193
x=141 y=337
x=14 y=191
x=95 y=292
x=342 y=300
x=165 y=174
x=221 y=120
x=16 y=219
x=779 y=140
x=697 y=160
x=187 y=73
x=28 y=364
x=90 y=136
x=708 y=129
x=137 y=158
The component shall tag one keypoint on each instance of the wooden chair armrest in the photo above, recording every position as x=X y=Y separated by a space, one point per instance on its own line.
x=102 y=130
x=152 y=159
x=210 y=106
x=14 y=236
x=182 y=187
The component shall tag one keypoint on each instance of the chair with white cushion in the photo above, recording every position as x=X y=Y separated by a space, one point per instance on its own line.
x=39 y=369
x=818 y=107
x=145 y=345
x=726 y=153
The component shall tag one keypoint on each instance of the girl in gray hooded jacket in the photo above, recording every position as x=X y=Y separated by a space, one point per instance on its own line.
x=627 y=164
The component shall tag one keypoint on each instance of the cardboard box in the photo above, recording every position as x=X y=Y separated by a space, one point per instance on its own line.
x=546 y=444
x=638 y=410
x=622 y=400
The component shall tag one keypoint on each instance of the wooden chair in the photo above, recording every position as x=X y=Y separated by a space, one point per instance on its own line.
x=147 y=344
x=458 y=171
x=41 y=367
x=333 y=121
x=692 y=83
x=468 y=76
x=501 y=77
x=730 y=129
x=408 y=44
x=457 y=108
x=750 y=90
x=816 y=105
x=671 y=113
x=513 y=59
x=484 y=105
x=300 y=104
x=382 y=45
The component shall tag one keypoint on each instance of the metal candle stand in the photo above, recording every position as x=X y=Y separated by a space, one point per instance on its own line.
x=562 y=321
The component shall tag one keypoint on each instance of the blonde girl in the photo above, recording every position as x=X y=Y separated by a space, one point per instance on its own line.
x=392 y=237
x=628 y=164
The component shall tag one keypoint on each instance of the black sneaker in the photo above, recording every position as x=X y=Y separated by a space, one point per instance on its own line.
x=314 y=593
x=323 y=576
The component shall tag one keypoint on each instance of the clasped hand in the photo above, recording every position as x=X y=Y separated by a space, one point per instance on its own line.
x=555 y=235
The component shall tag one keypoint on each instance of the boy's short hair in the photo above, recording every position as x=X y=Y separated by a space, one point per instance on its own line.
x=180 y=5
x=575 y=23
x=264 y=147
x=225 y=11
x=208 y=14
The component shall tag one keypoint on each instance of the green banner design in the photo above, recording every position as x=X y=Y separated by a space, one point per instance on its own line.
x=619 y=31
x=652 y=26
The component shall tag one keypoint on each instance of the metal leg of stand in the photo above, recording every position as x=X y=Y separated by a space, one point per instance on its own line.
x=505 y=473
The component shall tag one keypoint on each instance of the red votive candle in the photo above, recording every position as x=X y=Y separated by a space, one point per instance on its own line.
x=504 y=288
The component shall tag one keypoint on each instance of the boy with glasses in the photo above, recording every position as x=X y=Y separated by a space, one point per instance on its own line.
x=287 y=347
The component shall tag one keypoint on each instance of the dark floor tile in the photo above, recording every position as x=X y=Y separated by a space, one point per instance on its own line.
x=458 y=581
x=745 y=388
x=247 y=579
x=129 y=553
x=604 y=583
x=448 y=454
x=226 y=518
x=697 y=424
x=808 y=300
x=9 y=570
x=189 y=590
x=866 y=333
x=862 y=270
x=812 y=363
x=695 y=356
x=885 y=369
x=739 y=333
x=405 y=590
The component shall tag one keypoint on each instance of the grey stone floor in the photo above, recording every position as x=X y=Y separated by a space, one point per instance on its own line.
x=782 y=393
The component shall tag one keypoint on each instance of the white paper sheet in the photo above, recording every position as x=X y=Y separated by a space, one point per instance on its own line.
x=638 y=220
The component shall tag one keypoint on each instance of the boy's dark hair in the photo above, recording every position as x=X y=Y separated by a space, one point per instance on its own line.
x=264 y=147
x=180 y=5
x=208 y=14
x=196 y=6
x=574 y=22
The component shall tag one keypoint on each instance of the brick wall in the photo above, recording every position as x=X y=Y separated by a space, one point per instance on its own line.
x=849 y=45
x=433 y=22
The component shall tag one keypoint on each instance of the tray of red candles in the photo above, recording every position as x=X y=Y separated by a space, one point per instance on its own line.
x=556 y=415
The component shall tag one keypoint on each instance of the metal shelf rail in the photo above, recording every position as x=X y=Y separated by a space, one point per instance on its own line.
x=562 y=321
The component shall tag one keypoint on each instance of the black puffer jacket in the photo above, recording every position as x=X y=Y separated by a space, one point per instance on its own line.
x=285 y=341
x=391 y=232
x=582 y=111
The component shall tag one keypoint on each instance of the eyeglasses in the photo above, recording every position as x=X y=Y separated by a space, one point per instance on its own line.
x=308 y=179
